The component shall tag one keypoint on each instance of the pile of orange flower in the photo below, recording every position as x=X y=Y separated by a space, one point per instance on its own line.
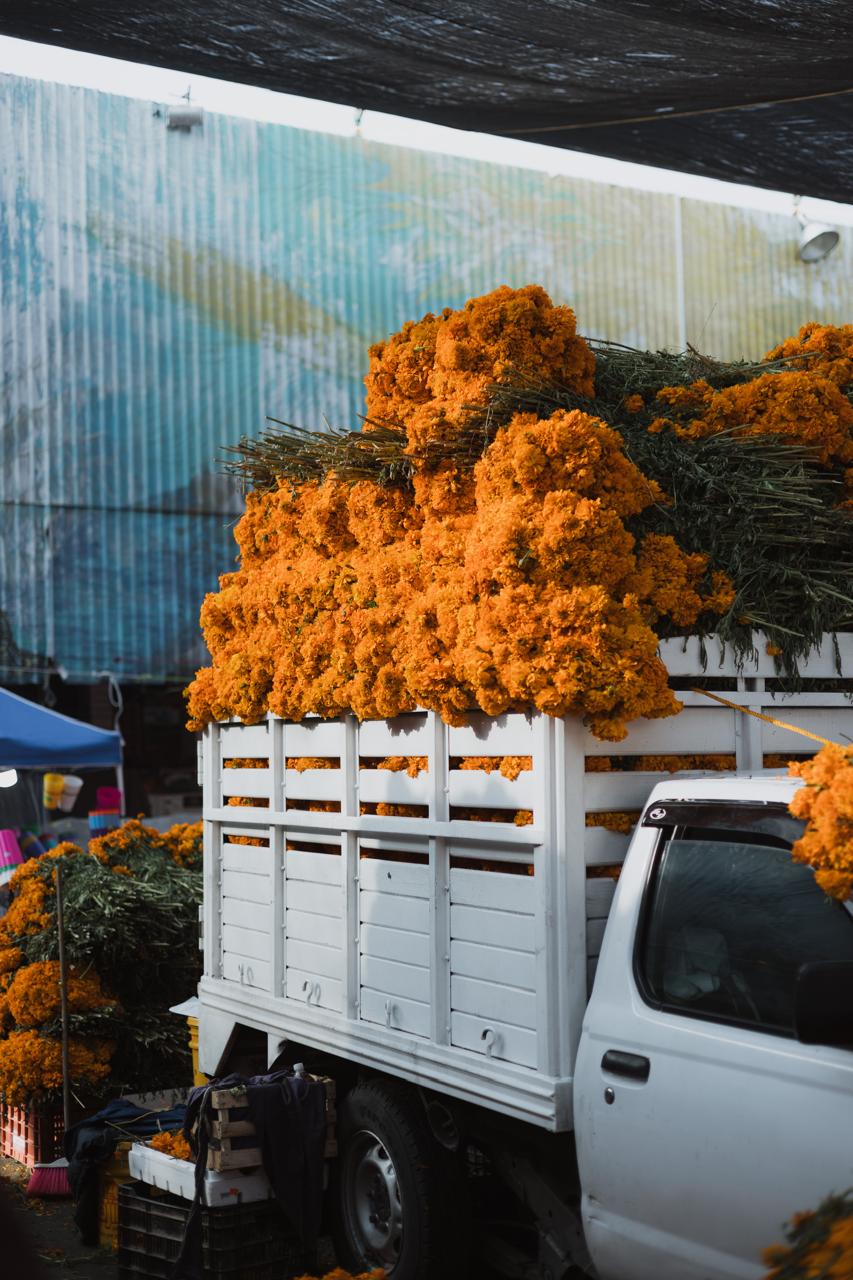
x=826 y=803
x=511 y=584
x=173 y=1144
x=121 y=863
x=819 y=1244
x=517 y=580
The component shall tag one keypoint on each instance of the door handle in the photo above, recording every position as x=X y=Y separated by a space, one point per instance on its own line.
x=632 y=1065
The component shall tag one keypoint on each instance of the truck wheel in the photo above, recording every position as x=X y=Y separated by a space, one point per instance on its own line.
x=395 y=1196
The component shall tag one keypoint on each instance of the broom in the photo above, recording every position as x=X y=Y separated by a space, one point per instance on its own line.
x=52 y=1179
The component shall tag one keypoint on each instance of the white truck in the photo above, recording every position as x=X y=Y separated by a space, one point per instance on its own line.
x=538 y=1076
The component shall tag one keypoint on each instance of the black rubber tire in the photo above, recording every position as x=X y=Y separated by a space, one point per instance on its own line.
x=431 y=1188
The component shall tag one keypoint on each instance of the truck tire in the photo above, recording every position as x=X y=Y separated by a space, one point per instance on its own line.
x=396 y=1197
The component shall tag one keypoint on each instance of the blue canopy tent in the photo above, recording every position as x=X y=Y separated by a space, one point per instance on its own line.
x=33 y=737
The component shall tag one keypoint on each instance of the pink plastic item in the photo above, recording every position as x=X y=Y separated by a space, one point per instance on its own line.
x=10 y=854
x=108 y=798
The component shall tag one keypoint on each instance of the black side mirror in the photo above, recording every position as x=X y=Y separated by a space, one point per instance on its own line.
x=823 y=1003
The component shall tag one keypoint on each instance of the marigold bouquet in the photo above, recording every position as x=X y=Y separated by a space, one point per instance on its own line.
x=131 y=913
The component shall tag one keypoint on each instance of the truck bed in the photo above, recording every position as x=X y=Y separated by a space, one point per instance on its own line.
x=372 y=890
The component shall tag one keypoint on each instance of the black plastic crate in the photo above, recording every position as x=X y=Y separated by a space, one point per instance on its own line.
x=239 y=1242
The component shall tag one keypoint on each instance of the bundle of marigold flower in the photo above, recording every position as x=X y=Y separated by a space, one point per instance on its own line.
x=173 y=1144
x=131 y=903
x=826 y=803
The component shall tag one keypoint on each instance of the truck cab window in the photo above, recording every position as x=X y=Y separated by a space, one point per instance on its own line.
x=729 y=919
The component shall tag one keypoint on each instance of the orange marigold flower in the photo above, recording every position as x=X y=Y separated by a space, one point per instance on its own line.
x=31 y=1064
x=826 y=803
x=34 y=994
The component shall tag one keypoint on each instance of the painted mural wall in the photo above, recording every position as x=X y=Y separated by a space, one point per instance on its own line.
x=161 y=293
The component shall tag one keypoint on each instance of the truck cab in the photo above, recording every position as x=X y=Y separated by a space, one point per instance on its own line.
x=702 y=1119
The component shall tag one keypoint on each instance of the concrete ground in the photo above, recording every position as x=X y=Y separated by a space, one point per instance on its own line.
x=49 y=1225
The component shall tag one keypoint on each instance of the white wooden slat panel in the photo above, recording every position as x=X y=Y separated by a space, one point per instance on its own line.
x=315 y=738
x=508 y=735
x=496 y=889
x=247 y=858
x=704 y=729
x=252 y=943
x=313 y=784
x=318 y=868
x=512 y=1044
x=599 y=896
x=255 y=973
x=395 y=912
x=246 y=887
x=249 y=740
x=594 y=936
x=474 y=788
x=491 y=1000
x=326 y=993
x=313 y=957
x=492 y=928
x=604 y=848
x=247 y=782
x=835 y=723
x=381 y=785
x=313 y=928
x=407 y=735
x=411 y=880
x=494 y=964
x=405 y=1015
x=247 y=915
x=321 y=899
x=603 y=791
x=310 y=837
x=395 y=978
x=395 y=843
x=394 y=944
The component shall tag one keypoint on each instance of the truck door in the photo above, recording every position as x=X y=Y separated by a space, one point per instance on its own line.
x=702 y=1123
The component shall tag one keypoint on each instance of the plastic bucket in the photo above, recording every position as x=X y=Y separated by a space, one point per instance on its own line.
x=53 y=786
x=108 y=798
x=103 y=820
x=70 y=792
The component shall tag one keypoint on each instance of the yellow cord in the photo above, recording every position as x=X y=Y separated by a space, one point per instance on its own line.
x=780 y=724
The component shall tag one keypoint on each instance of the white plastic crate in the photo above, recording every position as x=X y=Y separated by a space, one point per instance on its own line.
x=178 y=1176
x=416 y=938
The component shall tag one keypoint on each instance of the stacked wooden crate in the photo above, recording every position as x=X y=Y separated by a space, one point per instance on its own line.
x=233 y=1140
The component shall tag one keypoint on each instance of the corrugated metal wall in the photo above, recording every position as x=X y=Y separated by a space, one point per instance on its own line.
x=162 y=292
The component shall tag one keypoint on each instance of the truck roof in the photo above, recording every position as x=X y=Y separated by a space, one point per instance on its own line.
x=764 y=786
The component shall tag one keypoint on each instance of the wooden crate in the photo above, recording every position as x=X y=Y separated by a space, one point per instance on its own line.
x=231 y=1144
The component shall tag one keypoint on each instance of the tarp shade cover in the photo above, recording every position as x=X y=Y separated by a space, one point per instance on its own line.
x=33 y=737
x=580 y=74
